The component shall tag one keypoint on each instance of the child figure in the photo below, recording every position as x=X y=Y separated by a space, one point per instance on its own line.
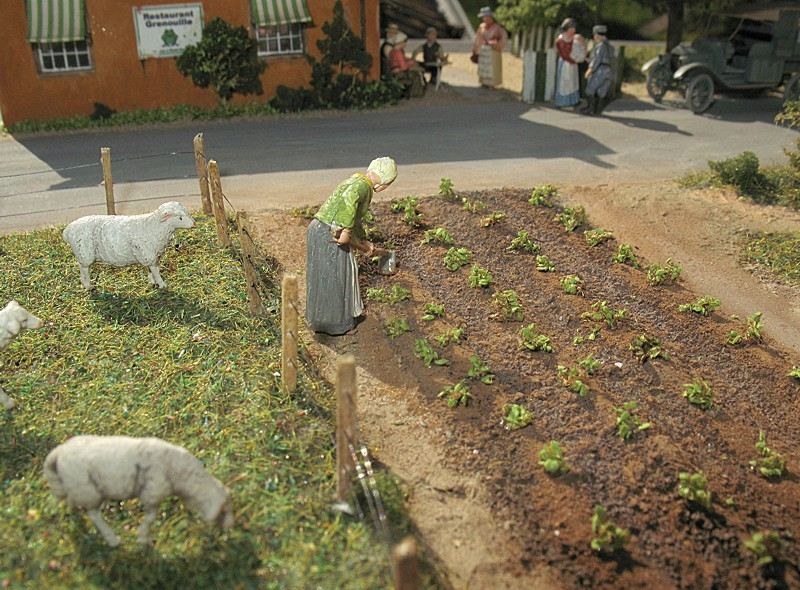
x=432 y=55
x=579 y=48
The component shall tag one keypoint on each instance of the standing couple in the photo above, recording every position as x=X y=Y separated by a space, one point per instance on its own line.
x=571 y=50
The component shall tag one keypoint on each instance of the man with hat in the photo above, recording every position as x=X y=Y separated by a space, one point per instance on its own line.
x=599 y=75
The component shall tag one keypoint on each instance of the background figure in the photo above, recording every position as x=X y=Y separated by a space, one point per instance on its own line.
x=567 y=77
x=386 y=47
x=432 y=54
x=490 y=40
x=406 y=70
x=333 y=301
x=600 y=75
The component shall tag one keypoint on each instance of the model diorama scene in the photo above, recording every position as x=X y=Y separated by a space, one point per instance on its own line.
x=535 y=326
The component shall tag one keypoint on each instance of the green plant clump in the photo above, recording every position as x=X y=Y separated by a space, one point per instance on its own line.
x=597 y=236
x=479 y=277
x=509 y=306
x=751 y=334
x=699 y=393
x=475 y=206
x=572 y=217
x=516 y=416
x=523 y=243
x=590 y=337
x=629 y=424
x=769 y=464
x=704 y=306
x=795 y=373
x=531 y=339
x=603 y=312
x=743 y=173
x=661 y=275
x=456 y=395
x=396 y=327
x=448 y=336
x=589 y=364
x=493 y=218
x=694 y=488
x=455 y=258
x=307 y=212
x=543 y=195
x=767 y=547
x=543 y=264
x=570 y=378
x=606 y=536
x=647 y=347
x=572 y=284
x=395 y=295
x=551 y=458
x=432 y=311
x=778 y=252
x=625 y=255
x=439 y=235
x=425 y=352
x=446 y=189
x=480 y=371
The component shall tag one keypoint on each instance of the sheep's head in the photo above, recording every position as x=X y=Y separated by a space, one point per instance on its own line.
x=175 y=215
x=19 y=318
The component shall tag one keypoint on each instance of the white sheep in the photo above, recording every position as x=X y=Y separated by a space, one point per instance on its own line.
x=88 y=470
x=121 y=240
x=13 y=319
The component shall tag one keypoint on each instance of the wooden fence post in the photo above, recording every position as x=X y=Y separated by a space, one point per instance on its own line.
x=105 y=160
x=289 y=332
x=345 y=423
x=202 y=172
x=248 y=264
x=223 y=237
x=404 y=565
x=619 y=72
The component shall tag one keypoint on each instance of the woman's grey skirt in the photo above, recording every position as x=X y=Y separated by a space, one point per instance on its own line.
x=333 y=301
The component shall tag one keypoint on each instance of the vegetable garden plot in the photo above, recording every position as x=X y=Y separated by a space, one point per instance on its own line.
x=575 y=358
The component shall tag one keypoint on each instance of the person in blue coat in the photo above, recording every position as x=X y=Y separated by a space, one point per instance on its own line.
x=599 y=75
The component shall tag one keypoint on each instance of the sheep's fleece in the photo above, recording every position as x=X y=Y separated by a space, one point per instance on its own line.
x=13 y=319
x=88 y=470
x=122 y=240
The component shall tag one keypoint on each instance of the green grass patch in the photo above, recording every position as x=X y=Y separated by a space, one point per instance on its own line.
x=191 y=366
x=779 y=253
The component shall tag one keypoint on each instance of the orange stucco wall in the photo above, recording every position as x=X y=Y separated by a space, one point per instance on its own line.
x=123 y=82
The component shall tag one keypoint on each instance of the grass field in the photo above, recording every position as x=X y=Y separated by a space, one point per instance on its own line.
x=188 y=365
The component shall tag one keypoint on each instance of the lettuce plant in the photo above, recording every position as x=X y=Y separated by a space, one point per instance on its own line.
x=629 y=424
x=479 y=277
x=479 y=370
x=509 y=306
x=704 y=306
x=572 y=284
x=456 y=395
x=606 y=536
x=493 y=218
x=766 y=545
x=597 y=236
x=659 y=275
x=572 y=217
x=543 y=264
x=446 y=189
x=425 y=352
x=769 y=464
x=625 y=255
x=699 y=393
x=601 y=311
x=531 y=339
x=542 y=195
x=455 y=258
x=694 y=488
x=439 y=236
x=647 y=347
x=396 y=327
x=516 y=416
x=432 y=311
x=551 y=458
x=523 y=243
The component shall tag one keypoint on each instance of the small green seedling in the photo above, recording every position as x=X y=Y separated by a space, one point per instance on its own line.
x=438 y=236
x=307 y=212
x=590 y=337
x=448 y=336
x=523 y=243
x=704 y=306
x=493 y=218
x=425 y=352
x=480 y=371
x=572 y=217
x=456 y=395
x=396 y=327
x=606 y=536
x=570 y=378
x=402 y=205
x=446 y=189
x=510 y=309
x=625 y=255
x=589 y=364
x=666 y=274
x=646 y=347
x=475 y=206
x=395 y=295
x=769 y=464
x=694 y=488
x=455 y=258
x=543 y=264
x=516 y=416
x=543 y=195
x=597 y=236
x=603 y=312
x=551 y=458
x=767 y=546
x=627 y=423
x=699 y=393
x=479 y=277
x=572 y=284
x=432 y=311
x=377 y=294
x=795 y=372
x=531 y=339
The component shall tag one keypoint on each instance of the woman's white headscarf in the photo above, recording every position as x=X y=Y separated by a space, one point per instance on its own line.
x=385 y=168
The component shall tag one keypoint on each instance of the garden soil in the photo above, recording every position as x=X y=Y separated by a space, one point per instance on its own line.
x=486 y=512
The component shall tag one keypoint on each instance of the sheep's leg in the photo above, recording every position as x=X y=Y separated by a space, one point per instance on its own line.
x=159 y=282
x=85 y=281
x=150 y=513
x=97 y=518
x=150 y=278
x=7 y=402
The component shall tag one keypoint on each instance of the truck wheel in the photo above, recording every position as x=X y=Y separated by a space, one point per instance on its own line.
x=700 y=93
x=791 y=91
x=658 y=81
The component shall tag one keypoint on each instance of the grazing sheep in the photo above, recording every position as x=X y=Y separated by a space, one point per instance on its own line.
x=126 y=239
x=13 y=319
x=88 y=470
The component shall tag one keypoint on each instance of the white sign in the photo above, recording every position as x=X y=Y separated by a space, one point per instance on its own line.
x=166 y=30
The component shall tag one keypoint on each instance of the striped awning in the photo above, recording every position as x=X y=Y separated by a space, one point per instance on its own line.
x=270 y=13
x=51 y=21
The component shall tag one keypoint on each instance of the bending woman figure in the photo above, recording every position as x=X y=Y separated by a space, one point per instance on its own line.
x=333 y=301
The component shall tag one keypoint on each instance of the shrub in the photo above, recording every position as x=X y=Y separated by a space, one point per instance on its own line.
x=542 y=196
x=605 y=534
x=509 y=306
x=699 y=393
x=551 y=458
x=742 y=172
x=479 y=277
x=516 y=416
x=694 y=488
x=226 y=58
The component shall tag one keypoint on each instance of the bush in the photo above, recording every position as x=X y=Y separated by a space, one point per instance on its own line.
x=742 y=172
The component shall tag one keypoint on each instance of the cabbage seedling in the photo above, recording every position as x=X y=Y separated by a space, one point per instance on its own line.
x=509 y=306
x=659 y=275
x=531 y=339
x=752 y=333
x=439 y=235
x=425 y=352
x=479 y=277
x=699 y=393
x=569 y=377
x=770 y=463
x=572 y=284
x=795 y=372
x=446 y=189
x=602 y=312
x=694 y=488
x=704 y=306
x=479 y=370
x=448 y=336
x=396 y=327
x=590 y=337
x=625 y=255
x=457 y=394
x=627 y=423
x=605 y=534
x=551 y=458
x=432 y=311
x=542 y=196
x=455 y=258
x=475 y=206
x=495 y=217
x=597 y=236
x=543 y=264
x=516 y=416
x=572 y=217
x=767 y=546
x=523 y=243
x=647 y=347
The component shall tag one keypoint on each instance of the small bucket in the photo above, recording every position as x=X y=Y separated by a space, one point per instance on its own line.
x=387 y=264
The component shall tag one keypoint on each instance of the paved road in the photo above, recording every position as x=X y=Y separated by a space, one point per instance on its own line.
x=478 y=138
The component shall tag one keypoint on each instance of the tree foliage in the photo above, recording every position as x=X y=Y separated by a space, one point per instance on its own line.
x=516 y=15
x=226 y=58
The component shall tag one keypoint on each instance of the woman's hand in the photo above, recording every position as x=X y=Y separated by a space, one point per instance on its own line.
x=344 y=237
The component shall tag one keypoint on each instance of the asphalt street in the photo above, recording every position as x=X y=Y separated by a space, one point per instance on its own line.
x=478 y=138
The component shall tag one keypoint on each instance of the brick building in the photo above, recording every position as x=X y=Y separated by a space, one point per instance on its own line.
x=62 y=56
